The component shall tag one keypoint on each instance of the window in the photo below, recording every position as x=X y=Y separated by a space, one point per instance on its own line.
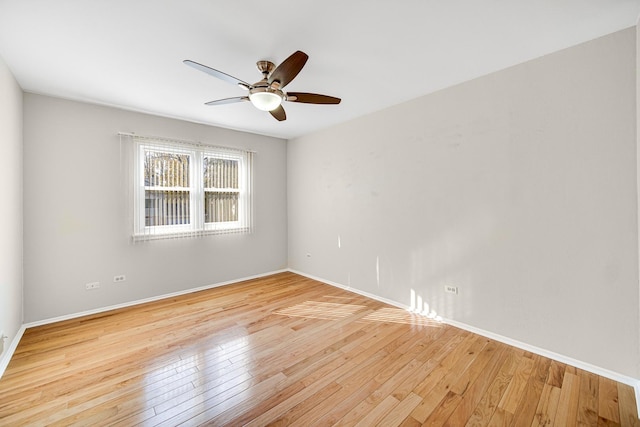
x=221 y=189
x=184 y=190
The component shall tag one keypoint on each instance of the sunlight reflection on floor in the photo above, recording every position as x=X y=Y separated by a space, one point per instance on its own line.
x=321 y=310
x=334 y=311
x=399 y=315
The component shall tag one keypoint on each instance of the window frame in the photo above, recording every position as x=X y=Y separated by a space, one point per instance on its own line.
x=242 y=189
x=197 y=192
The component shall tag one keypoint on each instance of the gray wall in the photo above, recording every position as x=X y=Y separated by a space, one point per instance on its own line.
x=76 y=223
x=638 y=154
x=518 y=187
x=11 y=205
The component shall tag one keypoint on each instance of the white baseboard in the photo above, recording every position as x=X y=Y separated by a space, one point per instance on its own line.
x=4 y=362
x=634 y=382
x=548 y=354
x=636 y=387
x=146 y=300
x=354 y=290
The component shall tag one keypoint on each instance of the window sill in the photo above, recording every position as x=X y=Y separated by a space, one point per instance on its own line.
x=188 y=234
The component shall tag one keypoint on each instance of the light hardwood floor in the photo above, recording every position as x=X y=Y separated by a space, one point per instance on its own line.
x=287 y=350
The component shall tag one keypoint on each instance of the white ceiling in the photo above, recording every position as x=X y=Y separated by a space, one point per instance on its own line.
x=372 y=54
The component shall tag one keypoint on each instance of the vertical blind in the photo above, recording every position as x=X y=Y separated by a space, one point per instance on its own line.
x=167 y=188
x=221 y=189
x=185 y=189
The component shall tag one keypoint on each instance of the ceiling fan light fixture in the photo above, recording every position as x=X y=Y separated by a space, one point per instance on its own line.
x=264 y=99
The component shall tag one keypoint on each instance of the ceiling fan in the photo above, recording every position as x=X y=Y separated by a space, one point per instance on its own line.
x=268 y=94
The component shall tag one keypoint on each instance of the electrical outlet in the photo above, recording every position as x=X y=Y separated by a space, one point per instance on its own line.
x=451 y=289
x=92 y=285
x=120 y=278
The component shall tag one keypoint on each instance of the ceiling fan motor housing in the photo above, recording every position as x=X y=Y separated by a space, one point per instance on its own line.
x=265 y=67
x=267 y=94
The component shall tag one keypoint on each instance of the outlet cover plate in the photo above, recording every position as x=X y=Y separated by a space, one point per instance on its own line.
x=451 y=289
x=92 y=285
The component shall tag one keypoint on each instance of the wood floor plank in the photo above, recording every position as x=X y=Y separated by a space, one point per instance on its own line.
x=514 y=392
x=627 y=400
x=401 y=384
x=547 y=406
x=447 y=405
x=376 y=414
x=295 y=407
x=476 y=366
x=608 y=406
x=358 y=385
x=199 y=410
x=567 y=413
x=588 y=400
x=332 y=414
x=459 y=364
x=321 y=380
x=289 y=350
x=526 y=410
x=483 y=413
x=556 y=374
x=410 y=422
x=472 y=394
x=402 y=410
x=501 y=418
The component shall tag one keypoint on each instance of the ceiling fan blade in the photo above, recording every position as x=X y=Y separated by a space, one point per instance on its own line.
x=312 y=98
x=279 y=113
x=215 y=73
x=227 y=100
x=289 y=68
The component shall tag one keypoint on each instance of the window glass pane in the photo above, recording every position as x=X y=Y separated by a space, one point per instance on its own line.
x=220 y=173
x=162 y=169
x=220 y=206
x=166 y=207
